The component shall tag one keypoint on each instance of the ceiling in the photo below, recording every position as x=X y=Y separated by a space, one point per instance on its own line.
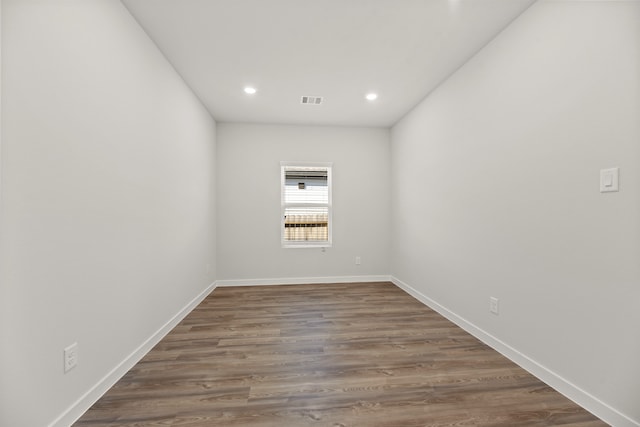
x=338 y=49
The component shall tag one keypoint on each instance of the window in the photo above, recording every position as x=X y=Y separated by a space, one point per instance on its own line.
x=306 y=205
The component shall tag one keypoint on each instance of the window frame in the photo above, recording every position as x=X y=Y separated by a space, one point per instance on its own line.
x=284 y=167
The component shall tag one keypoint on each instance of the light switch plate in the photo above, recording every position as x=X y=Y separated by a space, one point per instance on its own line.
x=609 y=180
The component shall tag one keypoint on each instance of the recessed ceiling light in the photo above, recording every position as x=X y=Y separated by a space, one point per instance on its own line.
x=250 y=90
x=372 y=96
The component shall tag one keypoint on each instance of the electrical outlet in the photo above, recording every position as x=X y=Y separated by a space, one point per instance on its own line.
x=358 y=260
x=70 y=357
x=493 y=305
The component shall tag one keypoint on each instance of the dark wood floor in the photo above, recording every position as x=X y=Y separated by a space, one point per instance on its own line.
x=364 y=354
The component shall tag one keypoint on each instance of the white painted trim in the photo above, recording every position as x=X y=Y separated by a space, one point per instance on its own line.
x=591 y=403
x=75 y=411
x=303 y=280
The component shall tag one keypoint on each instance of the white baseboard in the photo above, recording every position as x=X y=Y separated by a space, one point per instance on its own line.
x=303 y=280
x=581 y=397
x=75 y=411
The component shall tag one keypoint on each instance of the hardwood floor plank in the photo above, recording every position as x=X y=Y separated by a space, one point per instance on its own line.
x=337 y=355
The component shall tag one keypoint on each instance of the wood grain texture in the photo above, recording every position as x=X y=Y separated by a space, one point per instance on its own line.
x=335 y=355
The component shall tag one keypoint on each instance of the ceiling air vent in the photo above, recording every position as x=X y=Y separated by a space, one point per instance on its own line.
x=313 y=100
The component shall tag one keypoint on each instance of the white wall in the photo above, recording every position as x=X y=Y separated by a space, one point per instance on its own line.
x=495 y=193
x=249 y=249
x=108 y=200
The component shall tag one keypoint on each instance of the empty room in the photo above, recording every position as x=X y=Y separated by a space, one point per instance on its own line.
x=319 y=213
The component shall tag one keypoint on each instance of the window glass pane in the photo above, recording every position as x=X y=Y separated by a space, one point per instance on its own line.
x=306 y=205
x=306 y=187
x=306 y=224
